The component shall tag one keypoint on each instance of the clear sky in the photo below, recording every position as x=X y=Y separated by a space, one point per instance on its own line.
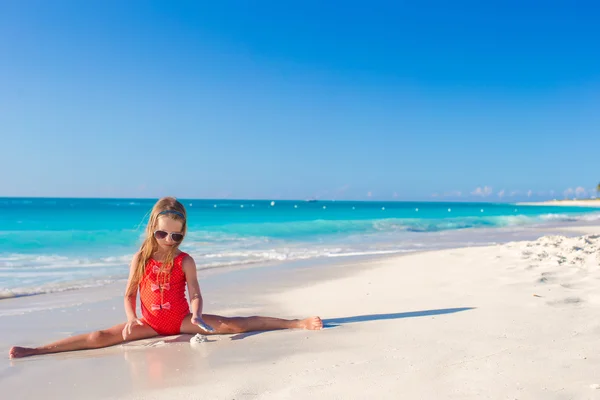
x=378 y=100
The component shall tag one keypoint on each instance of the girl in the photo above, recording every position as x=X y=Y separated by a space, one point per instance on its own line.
x=160 y=270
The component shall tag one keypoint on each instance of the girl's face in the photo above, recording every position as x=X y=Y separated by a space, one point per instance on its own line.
x=168 y=232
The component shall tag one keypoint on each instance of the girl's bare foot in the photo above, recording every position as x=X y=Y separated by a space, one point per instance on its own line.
x=20 y=352
x=312 y=323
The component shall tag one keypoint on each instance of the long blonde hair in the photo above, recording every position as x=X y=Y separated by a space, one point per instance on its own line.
x=150 y=246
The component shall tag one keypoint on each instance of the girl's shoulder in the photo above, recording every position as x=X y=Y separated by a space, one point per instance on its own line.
x=136 y=257
x=181 y=257
x=187 y=261
x=185 y=257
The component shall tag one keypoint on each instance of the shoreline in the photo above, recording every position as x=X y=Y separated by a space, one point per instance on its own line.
x=418 y=242
x=564 y=203
x=240 y=234
x=485 y=236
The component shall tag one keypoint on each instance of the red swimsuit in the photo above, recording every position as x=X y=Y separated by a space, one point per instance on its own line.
x=162 y=294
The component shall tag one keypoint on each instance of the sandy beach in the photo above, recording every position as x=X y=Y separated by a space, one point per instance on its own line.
x=404 y=197
x=566 y=203
x=511 y=321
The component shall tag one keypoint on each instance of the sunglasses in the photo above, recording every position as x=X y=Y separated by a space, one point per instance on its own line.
x=176 y=237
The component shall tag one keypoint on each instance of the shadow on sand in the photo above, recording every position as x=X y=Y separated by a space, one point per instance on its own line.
x=333 y=322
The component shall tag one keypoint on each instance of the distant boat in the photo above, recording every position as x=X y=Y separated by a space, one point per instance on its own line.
x=311 y=200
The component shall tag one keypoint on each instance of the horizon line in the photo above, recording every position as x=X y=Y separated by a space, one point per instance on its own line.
x=499 y=201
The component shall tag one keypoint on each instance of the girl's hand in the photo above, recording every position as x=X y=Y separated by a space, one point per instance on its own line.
x=130 y=324
x=203 y=325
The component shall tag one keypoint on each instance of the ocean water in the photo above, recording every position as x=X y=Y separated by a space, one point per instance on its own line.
x=60 y=244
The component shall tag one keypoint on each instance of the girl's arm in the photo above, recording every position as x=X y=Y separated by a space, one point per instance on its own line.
x=196 y=303
x=129 y=301
x=131 y=298
x=189 y=268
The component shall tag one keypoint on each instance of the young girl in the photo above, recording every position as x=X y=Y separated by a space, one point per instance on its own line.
x=161 y=271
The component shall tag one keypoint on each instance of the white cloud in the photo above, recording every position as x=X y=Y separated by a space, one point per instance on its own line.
x=580 y=192
x=435 y=195
x=453 y=193
x=482 y=191
x=529 y=193
x=514 y=193
x=369 y=194
x=569 y=192
x=501 y=193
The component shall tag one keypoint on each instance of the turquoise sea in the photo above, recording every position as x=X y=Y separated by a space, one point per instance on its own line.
x=51 y=244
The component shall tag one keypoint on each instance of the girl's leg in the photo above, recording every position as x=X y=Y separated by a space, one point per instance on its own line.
x=93 y=340
x=223 y=325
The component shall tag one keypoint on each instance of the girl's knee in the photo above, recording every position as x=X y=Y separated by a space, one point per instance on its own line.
x=231 y=325
x=99 y=338
x=226 y=325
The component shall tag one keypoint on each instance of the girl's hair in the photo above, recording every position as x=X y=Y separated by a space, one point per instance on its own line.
x=149 y=246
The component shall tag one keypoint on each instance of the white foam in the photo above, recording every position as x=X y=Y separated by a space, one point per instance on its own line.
x=14 y=261
x=567 y=218
x=246 y=257
x=54 y=287
x=369 y=253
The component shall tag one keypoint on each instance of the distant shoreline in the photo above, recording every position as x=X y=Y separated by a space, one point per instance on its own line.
x=566 y=203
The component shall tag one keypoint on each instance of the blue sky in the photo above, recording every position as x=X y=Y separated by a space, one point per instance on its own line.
x=345 y=100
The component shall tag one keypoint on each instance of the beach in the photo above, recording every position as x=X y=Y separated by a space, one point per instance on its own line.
x=512 y=320
x=403 y=199
x=566 y=203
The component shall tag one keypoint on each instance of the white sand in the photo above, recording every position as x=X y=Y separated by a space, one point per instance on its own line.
x=566 y=203
x=512 y=321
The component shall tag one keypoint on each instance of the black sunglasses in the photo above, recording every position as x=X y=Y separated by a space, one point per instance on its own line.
x=176 y=237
